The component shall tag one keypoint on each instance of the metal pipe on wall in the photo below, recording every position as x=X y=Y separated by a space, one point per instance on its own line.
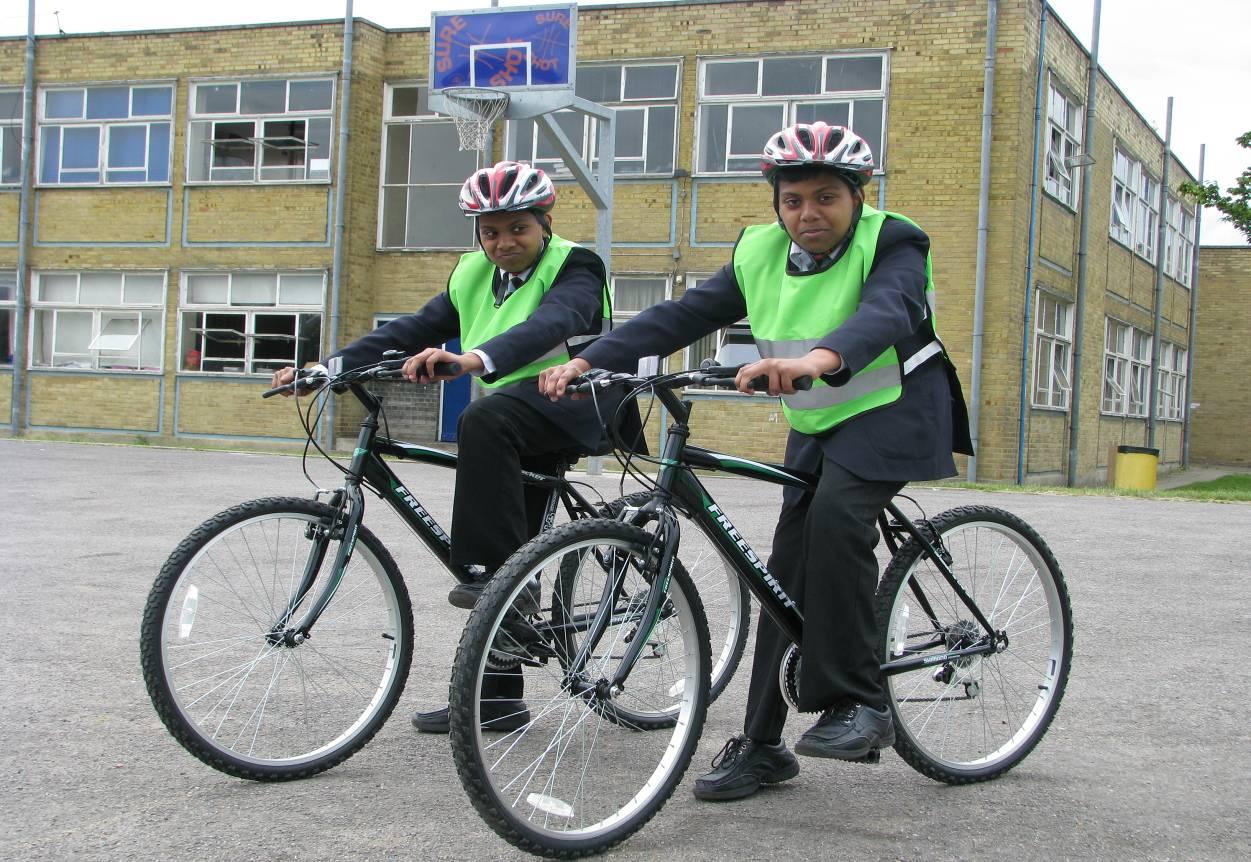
x=1190 y=330
x=1032 y=238
x=1083 y=243
x=340 y=188
x=1158 y=317
x=983 y=230
x=21 y=286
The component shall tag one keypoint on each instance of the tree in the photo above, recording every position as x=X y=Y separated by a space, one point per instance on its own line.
x=1235 y=206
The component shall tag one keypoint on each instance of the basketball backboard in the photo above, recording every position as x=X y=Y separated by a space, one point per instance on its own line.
x=527 y=51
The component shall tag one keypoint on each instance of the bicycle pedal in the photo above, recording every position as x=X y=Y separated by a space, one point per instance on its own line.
x=874 y=756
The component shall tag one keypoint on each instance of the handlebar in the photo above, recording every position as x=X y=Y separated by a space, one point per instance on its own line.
x=715 y=375
x=387 y=369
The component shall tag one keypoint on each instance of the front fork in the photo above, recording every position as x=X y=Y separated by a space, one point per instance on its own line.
x=343 y=526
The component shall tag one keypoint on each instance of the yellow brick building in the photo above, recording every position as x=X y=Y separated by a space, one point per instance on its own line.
x=184 y=184
x=1221 y=428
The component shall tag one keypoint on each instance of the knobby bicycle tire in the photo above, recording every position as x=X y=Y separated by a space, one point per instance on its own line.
x=230 y=687
x=972 y=718
x=570 y=781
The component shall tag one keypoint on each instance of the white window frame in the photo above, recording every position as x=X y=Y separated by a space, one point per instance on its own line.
x=423 y=119
x=1179 y=245
x=1126 y=370
x=48 y=129
x=1171 y=383
x=1064 y=136
x=8 y=315
x=11 y=137
x=531 y=141
x=194 y=334
x=1135 y=205
x=790 y=104
x=202 y=131
x=1053 y=351
x=105 y=348
x=647 y=364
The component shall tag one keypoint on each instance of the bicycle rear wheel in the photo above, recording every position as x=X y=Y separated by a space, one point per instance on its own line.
x=230 y=687
x=579 y=776
x=971 y=718
x=727 y=602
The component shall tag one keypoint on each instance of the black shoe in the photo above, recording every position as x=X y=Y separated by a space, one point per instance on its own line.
x=505 y=715
x=852 y=731
x=465 y=595
x=743 y=766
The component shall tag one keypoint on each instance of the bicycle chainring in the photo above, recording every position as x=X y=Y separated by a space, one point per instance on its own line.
x=788 y=676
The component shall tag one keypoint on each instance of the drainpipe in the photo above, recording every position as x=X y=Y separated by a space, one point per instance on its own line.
x=17 y=417
x=1079 y=311
x=1190 y=331
x=1027 y=334
x=983 y=230
x=1157 y=321
x=340 y=187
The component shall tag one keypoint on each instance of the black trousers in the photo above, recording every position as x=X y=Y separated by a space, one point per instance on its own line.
x=493 y=513
x=823 y=557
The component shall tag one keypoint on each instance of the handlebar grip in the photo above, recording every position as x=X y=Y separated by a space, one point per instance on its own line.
x=446 y=369
x=270 y=393
x=802 y=383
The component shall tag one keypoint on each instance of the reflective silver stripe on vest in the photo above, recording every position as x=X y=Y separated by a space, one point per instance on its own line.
x=931 y=349
x=864 y=383
x=605 y=327
x=802 y=347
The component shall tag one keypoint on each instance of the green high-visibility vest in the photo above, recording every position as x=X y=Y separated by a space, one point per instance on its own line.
x=791 y=314
x=481 y=319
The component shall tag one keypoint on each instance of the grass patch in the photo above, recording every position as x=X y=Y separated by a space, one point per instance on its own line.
x=1236 y=486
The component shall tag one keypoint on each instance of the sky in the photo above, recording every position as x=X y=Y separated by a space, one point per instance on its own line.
x=1152 y=49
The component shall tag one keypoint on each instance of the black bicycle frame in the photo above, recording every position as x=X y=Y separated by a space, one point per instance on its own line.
x=677 y=483
x=368 y=468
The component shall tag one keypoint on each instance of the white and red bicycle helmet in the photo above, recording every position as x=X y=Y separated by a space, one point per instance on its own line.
x=507 y=187
x=836 y=147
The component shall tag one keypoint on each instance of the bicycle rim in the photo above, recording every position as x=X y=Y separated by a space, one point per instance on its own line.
x=253 y=703
x=974 y=717
x=581 y=774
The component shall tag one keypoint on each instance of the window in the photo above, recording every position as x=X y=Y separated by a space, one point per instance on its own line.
x=1135 y=205
x=645 y=98
x=8 y=315
x=1053 y=346
x=1126 y=369
x=1064 y=133
x=742 y=101
x=632 y=294
x=1171 y=380
x=116 y=133
x=250 y=322
x=422 y=172
x=1179 y=244
x=260 y=131
x=10 y=137
x=102 y=321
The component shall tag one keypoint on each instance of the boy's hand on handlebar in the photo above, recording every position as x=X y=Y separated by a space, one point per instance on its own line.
x=419 y=368
x=553 y=381
x=282 y=377
x=782 y=373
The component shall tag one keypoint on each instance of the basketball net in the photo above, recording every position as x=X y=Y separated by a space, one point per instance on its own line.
x=474 y=110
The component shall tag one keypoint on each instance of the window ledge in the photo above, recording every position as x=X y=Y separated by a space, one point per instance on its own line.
x=1068 y=207
x=257 y=183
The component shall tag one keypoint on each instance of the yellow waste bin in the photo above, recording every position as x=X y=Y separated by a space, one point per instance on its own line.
x=1136 y=467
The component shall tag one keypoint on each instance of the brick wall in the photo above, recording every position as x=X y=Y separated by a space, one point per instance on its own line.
x=1221 y=425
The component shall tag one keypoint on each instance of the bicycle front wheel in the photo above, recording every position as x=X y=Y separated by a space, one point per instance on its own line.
x=229 y=679
x=962 y=719
x=579 y=776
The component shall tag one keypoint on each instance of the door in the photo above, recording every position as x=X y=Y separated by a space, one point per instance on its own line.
x=453 y=399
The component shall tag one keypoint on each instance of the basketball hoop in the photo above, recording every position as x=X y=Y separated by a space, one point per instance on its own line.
x=474 y=110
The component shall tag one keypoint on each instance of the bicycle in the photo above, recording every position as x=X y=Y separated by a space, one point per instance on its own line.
x=973 y=613
x=278 y=635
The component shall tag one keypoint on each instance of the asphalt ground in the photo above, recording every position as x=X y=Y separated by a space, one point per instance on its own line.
x=1148 y=758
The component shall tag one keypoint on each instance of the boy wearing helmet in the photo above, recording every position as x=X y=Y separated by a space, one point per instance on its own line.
x=526 y=301
x=840 y=292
